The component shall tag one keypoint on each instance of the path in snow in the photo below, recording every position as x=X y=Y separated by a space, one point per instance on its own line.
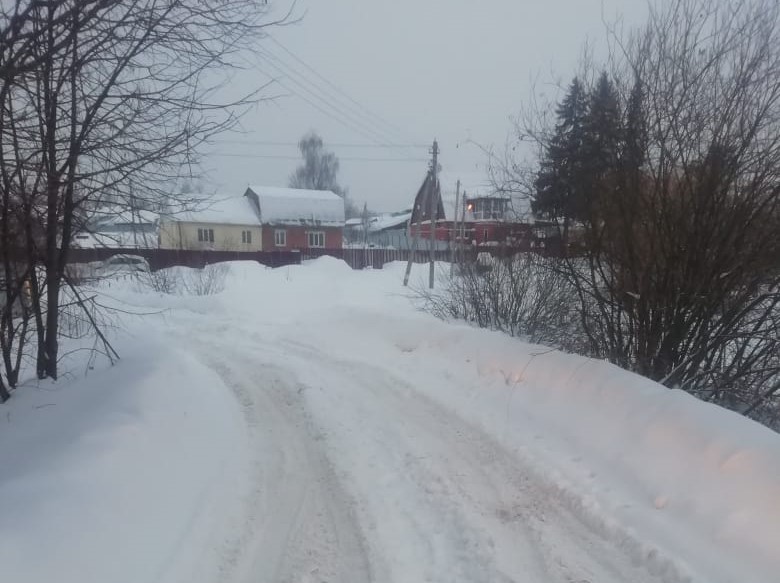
x=360 y=477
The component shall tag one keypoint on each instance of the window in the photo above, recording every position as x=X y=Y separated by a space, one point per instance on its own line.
x=206 y=235
x=316 y=238
x=280 y=238
x=246 y=237
x=488 y=208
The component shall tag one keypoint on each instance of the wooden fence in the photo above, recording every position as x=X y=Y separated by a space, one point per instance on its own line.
x=162 y=258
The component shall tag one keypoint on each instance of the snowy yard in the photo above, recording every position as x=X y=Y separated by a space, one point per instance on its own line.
x=308 y=424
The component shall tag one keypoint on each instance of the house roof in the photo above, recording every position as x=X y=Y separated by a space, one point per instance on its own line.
x=291 y=206
x=121 y=215
x=116 y=240
x=382 y=222
x=389 y=220
x=231 y=210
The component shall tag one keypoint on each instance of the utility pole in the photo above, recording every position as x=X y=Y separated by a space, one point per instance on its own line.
x=434 y=207
x=454 y=235
x=463 y=226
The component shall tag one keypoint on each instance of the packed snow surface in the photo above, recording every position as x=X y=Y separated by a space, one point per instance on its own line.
x=308 y=424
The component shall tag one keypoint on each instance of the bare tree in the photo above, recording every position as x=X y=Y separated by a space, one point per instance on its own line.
x=104 y=100
x=680 y=277
x=319 y=171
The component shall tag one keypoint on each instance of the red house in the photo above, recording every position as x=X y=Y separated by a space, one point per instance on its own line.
x=491 y=221
x=294 y=219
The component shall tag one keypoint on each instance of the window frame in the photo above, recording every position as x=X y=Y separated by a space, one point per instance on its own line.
x=246 y=237
x=205 y=235
x=319 y=235
x=283 y=233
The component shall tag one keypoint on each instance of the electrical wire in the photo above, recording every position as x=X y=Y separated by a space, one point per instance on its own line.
x=341 y=158
x=330 y=144
x=328 y=96
x=368 y=112
x=311 y=97
x=333 y=97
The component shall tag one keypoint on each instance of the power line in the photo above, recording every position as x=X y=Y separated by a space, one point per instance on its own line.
x=370 y=113
x=331 y=94
x=335 y=112
x=326 y=97
x=345 y=158
x=329 y=144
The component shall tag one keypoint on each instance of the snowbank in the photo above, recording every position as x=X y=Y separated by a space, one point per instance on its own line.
x=691 y=490
x=119 y=476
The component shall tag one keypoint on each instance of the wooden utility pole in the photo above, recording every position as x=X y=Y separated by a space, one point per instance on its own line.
x=454 y=235
x=433 y=203
x=434 y=207
x=463 y=225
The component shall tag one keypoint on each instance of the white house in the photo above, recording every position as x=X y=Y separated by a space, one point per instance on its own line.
x=223 y=224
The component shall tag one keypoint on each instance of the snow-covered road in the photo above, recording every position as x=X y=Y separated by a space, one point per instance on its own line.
x=309 y=425
x=360 y=477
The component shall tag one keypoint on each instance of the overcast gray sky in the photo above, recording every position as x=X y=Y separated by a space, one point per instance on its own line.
x=401 y=73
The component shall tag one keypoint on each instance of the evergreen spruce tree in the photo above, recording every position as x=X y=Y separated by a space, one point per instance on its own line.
x=602 y=142
x=559 y=193
x=600 y=153
x=635 y=137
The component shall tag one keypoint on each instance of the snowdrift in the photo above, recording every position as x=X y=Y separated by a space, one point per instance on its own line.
x=120 y=475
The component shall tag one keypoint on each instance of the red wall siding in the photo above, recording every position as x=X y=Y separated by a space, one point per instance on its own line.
x=518 y=235
x=297 y=238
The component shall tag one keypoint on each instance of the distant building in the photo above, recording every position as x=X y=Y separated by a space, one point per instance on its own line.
x=385 y=231
x=224 y=224
x=296 y=219
x=484 y=217
x=119 y=229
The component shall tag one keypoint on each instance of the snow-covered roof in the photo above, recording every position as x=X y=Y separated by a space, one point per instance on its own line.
x=139 y=240
x=291 y=206
x=389 y=220
x=232 y=210
x=121 y=215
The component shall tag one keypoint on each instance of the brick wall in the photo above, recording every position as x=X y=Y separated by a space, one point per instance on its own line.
x=297 y=237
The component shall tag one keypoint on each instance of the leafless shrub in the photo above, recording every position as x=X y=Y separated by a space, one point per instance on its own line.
x=205 y=282
x=166 y=281
x=523 y=295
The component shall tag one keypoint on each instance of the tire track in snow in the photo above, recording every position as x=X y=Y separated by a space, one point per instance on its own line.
x=299 y=525
x=495 y=520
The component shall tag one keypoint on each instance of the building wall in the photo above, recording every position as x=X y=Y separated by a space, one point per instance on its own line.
x=184 y=235
x=521 y=236
x=297 y=237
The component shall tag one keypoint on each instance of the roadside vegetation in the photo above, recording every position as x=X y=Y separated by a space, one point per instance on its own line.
x=661 y=169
